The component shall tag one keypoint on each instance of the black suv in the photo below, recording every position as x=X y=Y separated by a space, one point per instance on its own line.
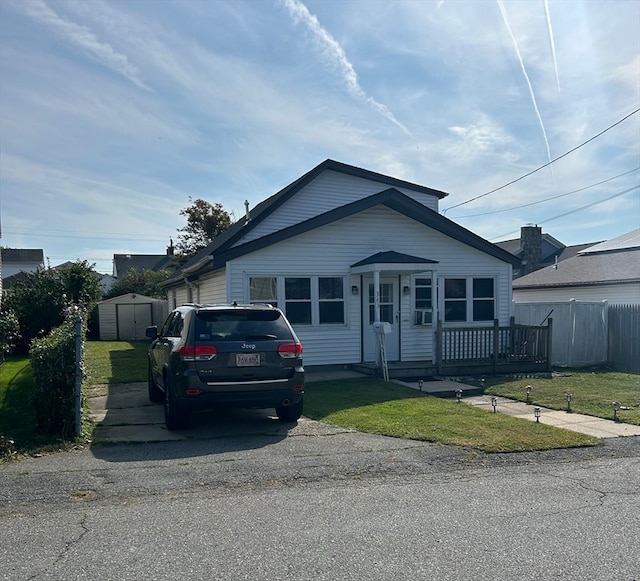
x=209 y=356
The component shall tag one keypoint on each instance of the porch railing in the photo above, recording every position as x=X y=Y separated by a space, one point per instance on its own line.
x=500 y=349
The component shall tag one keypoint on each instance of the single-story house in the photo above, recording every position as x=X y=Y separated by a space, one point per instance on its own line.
x=123 y=263
x=343 y=248
x=597 y=272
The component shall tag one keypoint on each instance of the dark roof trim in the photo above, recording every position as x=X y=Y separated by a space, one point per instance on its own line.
x=543 y=286
x=392 y=257
x=391 y=198
x=271 y=204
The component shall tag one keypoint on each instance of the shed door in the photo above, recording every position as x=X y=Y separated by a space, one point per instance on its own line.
x=133 y=320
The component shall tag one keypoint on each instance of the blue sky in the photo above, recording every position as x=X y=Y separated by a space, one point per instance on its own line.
x=113 y=114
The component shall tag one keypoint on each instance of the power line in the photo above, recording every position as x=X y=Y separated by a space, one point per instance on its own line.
x=546 y=199
x=545 y=165
x=573 y=211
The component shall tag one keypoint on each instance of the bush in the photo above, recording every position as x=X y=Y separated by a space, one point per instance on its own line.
x=54 y=371
x=9 y=332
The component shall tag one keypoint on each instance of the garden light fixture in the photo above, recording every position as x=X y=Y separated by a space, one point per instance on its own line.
x=529 y=388
x=616 y=407
x=420 y=384
x=536 y=413
x=568 y=396
x=494 y=403
x=458 y=395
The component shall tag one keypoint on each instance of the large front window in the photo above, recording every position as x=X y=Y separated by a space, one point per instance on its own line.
x=469 y=299
x=306 y=300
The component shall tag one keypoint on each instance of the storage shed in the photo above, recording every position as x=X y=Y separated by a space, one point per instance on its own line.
x=126 y=318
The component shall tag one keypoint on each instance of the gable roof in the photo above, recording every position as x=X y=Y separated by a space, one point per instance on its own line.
x=392 y=257
x=217 y=254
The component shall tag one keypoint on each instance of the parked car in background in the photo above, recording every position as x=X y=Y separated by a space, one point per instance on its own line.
x=238 y=356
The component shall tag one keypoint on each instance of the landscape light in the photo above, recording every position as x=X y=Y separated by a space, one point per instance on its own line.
x=529 y=388
x=616 y=407
x=494 y=403
x=458 y=395
x=568 y=396
x=420 y=383
x=536 y=413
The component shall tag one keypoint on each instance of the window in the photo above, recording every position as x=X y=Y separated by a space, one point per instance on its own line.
x=422 y=305
x=306 y=300
x=297 y=295
x=455 y=299
x=263 y=290
x=331 y=300
x=475 y=296
x=483 y=299
x=386 y=303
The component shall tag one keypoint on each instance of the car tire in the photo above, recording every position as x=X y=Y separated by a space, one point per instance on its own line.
x=155 y=393
x=175 y=418
x=289 y=413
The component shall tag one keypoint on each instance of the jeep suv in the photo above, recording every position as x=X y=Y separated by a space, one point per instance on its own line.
x=209 y=356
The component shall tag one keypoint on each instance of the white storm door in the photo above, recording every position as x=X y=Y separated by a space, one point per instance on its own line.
x=389 y=312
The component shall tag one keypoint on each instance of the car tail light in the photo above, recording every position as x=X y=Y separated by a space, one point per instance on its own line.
x=290 y=350
x=197 y=352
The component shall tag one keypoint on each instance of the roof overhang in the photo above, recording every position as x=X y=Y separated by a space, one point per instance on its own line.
x=392 y=263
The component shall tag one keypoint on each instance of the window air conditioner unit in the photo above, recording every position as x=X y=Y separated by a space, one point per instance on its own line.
x=423 y=317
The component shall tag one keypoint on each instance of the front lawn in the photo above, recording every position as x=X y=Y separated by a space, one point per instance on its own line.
x=111 y=362
x=592 y=392
x=389 y=409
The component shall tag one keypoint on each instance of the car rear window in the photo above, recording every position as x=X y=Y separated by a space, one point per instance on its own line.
x=240 y=325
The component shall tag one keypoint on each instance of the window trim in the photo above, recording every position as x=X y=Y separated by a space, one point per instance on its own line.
x=315 y=296
x=469 y=299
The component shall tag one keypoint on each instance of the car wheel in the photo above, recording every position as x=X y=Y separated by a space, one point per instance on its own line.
x=155 y=393
x=289 y=413
x=175 y=418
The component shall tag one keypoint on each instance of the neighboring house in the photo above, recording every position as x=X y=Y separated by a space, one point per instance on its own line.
x=123 y=263
x=342 y=248
x=537 y=250
x=15 y=260
x=604 y=271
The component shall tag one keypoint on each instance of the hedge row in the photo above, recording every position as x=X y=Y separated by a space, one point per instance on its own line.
x=53 y=360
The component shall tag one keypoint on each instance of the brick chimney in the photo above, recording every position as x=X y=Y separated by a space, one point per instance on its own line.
x=531 y=248
x=170 y=248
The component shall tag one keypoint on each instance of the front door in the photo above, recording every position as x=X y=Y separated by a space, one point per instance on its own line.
x=389 y=312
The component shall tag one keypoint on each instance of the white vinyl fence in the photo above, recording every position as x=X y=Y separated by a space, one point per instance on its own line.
x=580 y=330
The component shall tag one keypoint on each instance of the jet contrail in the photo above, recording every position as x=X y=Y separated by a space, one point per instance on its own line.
x=338 y=59
x=526 y=76
x=553 y=45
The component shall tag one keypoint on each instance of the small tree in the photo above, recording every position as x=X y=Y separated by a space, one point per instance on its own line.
x=40 y=298
x=145 y=282
x=205 y=221
x=9 y=332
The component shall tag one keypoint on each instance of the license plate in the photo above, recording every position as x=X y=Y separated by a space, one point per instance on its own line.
x=247 y=359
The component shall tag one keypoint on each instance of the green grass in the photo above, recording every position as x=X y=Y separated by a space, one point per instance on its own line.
x=17 y=413
x=392 y=410
x=592 y=392
x=111 y=362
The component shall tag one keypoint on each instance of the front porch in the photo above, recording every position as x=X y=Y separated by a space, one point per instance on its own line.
x=521 y=349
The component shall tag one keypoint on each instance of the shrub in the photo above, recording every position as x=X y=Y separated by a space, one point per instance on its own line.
x=54 y=371
x=9 y=332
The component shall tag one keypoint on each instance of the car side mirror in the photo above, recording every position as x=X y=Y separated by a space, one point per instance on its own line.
x=151 y=332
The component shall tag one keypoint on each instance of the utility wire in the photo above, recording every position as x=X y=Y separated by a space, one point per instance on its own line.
x=573 y=211
x=545 y=165
x=546 y=199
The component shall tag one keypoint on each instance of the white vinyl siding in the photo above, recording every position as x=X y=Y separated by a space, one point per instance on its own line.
x=328 y=191
x=332 y=249
x=213 y=289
